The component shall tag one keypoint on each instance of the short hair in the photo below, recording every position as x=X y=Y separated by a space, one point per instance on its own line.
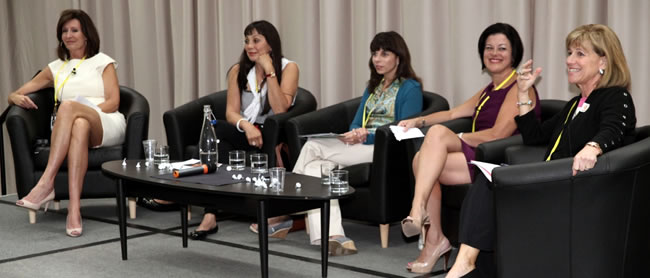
x=606 y=44
x=510 y=33
x=393 y=42
x=87 y=27
x=272 y=38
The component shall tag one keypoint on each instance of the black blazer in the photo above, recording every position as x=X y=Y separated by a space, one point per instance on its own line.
x=609 y=121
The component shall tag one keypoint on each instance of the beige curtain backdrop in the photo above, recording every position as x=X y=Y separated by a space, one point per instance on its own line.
x=176 y=51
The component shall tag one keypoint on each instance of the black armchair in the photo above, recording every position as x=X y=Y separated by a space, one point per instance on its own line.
x=381 y=195
x=183 y=124
x=29 y=132
x=552 y=224
x=453 y=196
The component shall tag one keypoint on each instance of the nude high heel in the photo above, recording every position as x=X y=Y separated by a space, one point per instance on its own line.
x=427 y=266
x=74 y=232
x=412 y=227
x=36 y=206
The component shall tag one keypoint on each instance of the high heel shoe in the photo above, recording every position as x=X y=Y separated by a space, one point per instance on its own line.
x=412 y=227
x=36 y=206
x=427 y=266
x=74 y=232
x=279 y=230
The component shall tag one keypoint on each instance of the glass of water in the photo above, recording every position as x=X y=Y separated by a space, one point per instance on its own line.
x=161 y=156
x=237 y=160
x=259 y=163
x=149 y=146
x=277 y=178
x=339 y=181
x=325 y=170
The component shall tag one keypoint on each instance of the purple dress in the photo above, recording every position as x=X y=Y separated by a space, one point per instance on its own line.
x=488 y=110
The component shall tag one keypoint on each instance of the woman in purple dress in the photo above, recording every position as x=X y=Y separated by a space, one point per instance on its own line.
x=444 y=154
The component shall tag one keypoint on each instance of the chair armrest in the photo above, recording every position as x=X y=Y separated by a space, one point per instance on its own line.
x=135 y=108
x=494 y=151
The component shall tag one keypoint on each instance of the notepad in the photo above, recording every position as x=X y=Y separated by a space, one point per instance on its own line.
x=486 y=168
x=400 y=134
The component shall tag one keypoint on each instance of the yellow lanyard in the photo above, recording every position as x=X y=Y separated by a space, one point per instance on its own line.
x=365 y=106
x=557 y=141
x=58 y=89
x=486 y=99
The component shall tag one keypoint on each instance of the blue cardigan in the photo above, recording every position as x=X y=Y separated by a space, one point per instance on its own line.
x=408 y=103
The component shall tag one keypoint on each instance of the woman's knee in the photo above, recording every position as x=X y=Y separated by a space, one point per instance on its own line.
x=66 y=108
x=80 y=127
x=436 y=133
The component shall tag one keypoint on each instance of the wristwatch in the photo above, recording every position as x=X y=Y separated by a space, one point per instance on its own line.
x=595 y=145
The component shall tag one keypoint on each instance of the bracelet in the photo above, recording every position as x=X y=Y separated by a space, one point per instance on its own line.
x=272 y=74
x=460 y=135
x=529 y=102
x=239 y=121
x=595 y=145
x=423 y=123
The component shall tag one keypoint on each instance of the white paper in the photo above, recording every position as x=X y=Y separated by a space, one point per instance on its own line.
x=85 y=101
x=400 y=134
x=485 y=167
x=185 y=164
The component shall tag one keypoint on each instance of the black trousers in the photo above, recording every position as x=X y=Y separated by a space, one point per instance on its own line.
x=477 y=224
x=231 y=139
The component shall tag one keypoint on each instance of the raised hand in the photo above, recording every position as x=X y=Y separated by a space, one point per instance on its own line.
x=526 y=77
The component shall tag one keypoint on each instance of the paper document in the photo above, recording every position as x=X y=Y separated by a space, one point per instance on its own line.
x=485 y=167
x=321 y=135
x=185 y=164
x=400 y=134
x=85 y=101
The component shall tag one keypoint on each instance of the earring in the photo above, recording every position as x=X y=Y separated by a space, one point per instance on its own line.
x=601 y=71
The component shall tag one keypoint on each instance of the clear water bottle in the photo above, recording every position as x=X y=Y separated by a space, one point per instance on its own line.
x=208 y=141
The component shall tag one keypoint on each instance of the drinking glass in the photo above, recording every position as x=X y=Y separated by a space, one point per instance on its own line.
x=325 y=170
x=339 y=181
x=149 y=148
x=161 y=156
x=277 y=178
x=259 y=163
x=237 y=160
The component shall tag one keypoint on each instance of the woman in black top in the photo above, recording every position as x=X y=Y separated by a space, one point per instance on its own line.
x=600 y=119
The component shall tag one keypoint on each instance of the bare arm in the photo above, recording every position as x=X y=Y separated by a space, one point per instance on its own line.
x=41 y=80
x=233 y=108
x=464 y=110
x=280 y=95
x=111 y=90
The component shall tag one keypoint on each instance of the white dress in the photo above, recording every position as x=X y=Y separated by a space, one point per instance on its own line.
x=87 y=82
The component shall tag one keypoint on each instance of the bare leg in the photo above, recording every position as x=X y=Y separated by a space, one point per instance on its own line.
x=455 y=172
x=465 y=261
x=60 y=144
x=438 y=143
x=77 y=168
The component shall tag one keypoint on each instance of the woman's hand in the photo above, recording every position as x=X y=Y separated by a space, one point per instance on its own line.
x=410 y=123
x=253 y=135
x=266 y=62
x=585 y=159
x=526 y=79
x=355 y=136
x=22 y=101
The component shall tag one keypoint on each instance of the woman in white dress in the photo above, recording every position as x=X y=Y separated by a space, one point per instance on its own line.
x=86 y=101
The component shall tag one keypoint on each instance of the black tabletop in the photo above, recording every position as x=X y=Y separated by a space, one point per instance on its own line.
x=310 y=189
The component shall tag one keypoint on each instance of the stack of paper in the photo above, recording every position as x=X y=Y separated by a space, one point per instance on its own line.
x=400 y=134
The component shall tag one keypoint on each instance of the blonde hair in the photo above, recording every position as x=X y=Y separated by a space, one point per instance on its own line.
x=605 y=43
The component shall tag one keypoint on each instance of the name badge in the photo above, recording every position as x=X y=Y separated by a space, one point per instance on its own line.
x=584 y=107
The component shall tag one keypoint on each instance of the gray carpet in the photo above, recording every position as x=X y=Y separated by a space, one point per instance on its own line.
x=155 y=247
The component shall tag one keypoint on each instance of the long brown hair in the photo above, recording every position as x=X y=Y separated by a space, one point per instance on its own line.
x=87 y=27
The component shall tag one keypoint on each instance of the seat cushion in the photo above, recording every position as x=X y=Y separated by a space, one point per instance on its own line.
x=95 y=157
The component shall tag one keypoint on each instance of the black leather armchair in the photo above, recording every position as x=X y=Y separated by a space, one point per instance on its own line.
x=382 y=196
x=552 y=224
x=453 y=196
x=29 y=131
x=183 y=124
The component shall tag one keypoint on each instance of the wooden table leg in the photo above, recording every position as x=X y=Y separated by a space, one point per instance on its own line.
x=262 y=231
x=324 y=235
x=121 y=215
